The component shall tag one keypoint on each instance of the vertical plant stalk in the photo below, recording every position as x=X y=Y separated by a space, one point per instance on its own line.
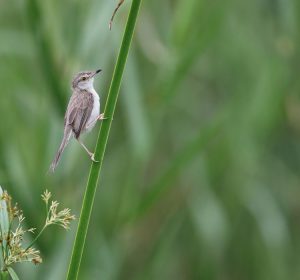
x=92 y=183
x=4 y=275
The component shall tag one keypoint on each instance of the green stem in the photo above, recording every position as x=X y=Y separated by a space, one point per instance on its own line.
x=36 y=238
x=42 y=230
x=2 y=248
x=8 y=235
x=4 y=275
x=92 y=183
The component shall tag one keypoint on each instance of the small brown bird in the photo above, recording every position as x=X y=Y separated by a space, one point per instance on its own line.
x=82 y=113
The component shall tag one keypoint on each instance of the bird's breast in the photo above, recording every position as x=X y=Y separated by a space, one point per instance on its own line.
x=95 y=111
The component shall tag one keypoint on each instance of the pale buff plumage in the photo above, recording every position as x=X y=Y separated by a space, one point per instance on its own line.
x=82 y=113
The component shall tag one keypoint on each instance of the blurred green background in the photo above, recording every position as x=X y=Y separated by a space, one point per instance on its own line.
x=201 y=174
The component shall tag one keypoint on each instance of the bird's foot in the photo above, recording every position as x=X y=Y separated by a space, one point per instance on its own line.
x=93 y=158
x=101 y=117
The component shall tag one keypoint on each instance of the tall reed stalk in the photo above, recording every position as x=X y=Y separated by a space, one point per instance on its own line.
x=92 y=183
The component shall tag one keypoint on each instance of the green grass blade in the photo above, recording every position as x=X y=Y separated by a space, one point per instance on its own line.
x=179 y=163
x=4 y=275
x=89 y=195
x=4 y=220
x=12 y=274
x=4 y=226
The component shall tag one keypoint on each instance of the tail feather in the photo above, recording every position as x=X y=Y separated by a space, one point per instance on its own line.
x=64 y=142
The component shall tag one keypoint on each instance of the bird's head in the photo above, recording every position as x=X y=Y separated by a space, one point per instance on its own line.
x=84 y=80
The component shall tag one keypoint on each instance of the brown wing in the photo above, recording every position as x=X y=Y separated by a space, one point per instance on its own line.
x=79 y=111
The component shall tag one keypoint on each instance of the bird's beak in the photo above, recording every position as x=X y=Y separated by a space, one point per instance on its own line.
x=97 y=71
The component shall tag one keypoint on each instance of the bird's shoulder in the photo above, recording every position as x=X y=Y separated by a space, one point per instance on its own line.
x=81 y=99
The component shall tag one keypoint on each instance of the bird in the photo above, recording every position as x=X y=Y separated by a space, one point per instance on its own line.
x=83 y=111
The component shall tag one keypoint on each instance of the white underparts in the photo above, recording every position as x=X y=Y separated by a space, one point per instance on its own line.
x=89 y=86
x=95 y=111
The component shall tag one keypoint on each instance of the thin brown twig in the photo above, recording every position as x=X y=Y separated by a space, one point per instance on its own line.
x=114 y=13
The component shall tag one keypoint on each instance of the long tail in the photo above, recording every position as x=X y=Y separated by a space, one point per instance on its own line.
x=64 y=142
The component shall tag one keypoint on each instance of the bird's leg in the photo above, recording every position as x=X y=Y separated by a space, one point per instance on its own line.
x=99 y=118
x=91 y=155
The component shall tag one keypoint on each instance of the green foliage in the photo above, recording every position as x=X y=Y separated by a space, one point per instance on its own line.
x=12 y=274
x=12 y=233
x=201 y=173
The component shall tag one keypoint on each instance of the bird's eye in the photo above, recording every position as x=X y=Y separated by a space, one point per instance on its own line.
x=83 y=78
